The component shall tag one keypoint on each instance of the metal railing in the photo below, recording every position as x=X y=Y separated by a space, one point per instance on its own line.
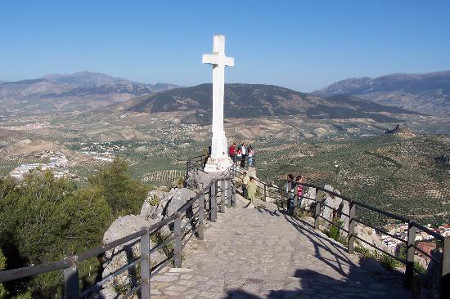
x=441 y=259
x=204 y=206
x=196 y=163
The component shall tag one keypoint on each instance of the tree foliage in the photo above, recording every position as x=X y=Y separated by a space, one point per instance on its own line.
x=44 y=219
x=123 y=194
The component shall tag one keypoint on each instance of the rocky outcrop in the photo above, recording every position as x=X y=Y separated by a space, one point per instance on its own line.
x=157 y=206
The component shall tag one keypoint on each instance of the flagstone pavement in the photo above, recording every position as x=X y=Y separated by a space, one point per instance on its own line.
x=262 y=253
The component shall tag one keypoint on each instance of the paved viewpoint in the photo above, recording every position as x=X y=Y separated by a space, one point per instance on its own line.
x=259 y=253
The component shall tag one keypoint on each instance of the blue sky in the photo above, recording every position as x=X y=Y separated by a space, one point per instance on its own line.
x=303 y=45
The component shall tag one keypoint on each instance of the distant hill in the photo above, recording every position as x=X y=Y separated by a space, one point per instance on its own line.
x=257 y=100
x=426 y=93
x=81 y=91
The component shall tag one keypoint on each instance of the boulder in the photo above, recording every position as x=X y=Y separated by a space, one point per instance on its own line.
x=154 y=204
x=122 y=255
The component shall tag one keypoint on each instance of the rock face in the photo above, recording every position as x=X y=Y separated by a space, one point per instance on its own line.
x=335 y=208
x=157 y=206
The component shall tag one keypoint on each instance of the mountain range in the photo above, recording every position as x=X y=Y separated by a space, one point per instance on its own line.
x=256 y=100
x=80 y=91
x=427 y=93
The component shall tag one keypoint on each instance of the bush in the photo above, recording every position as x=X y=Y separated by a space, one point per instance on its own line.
x=43 y=219
x=123 y=194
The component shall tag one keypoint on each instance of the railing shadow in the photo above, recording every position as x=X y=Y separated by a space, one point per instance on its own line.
x=306 y=283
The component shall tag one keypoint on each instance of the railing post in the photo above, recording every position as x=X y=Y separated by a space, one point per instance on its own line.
x=145 y=265
x=71 y=280
x=201 y=217
x=177 y=241
x=213 y=211
x=295 y=197
x=445 y=274
x=265 y=192
x=410 y=249
x=233 y=192
x=222 y=195
x=318 y=209
x=351 y=227
x=229 y=191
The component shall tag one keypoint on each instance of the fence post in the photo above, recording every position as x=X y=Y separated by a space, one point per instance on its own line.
x=201 y=217
x=177 y=241
x=265 y=192
x=295 y=197
x=445 y=274
x=145 y=265
x=187 y=168
x=228 y=188
x=233 y=192
x=71 y=280
x=213 y=211
x=410 y=249
x=318 y=209
x=222 y=196
x=351 y=227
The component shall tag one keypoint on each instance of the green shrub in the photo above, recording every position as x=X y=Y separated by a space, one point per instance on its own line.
x=43 y=219
x=123 y=194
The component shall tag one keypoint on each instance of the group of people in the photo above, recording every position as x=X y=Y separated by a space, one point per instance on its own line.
x=241 y=153
x=294 y=187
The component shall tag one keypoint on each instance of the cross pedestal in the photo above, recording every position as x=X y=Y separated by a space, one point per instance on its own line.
x=219 y=159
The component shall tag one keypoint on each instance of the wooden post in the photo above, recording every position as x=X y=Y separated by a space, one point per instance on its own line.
x=145 y=265
x=233 y=193
x=411 y=242
x=318 y=209
x=351 y=227
x=295 y=196
x=445 y=274
x=229 y=191
x=265 y=192
x=201 y=217
x=187 y=168
x=177 y=241
x=222 y=196
x=213 y=211
x=71 y=280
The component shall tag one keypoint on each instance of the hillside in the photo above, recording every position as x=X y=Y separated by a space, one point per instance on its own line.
x=58 y=93
x=257 y=100
x=396 y=171
x=426 y=93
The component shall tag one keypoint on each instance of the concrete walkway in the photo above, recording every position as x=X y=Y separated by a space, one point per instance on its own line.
x=261 y=253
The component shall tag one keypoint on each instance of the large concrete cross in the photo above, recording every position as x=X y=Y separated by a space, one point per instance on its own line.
x=219 y=146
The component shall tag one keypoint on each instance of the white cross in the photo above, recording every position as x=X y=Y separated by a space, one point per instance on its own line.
x=219 y=146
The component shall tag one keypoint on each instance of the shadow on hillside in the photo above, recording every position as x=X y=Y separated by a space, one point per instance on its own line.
x=359 y=283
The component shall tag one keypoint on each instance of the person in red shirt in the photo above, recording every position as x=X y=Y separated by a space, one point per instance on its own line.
x=232 y=152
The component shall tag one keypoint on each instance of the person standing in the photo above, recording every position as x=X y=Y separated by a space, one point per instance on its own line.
x=232 y=152
x=244 y=155
x=252 y=190
x=299 y=182
x=238 y=155
x=250 y=156
x=245 y=182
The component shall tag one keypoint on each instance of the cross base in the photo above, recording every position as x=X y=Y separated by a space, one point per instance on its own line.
x=218 y=164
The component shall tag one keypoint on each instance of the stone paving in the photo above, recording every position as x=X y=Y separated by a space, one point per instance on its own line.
x=262 y=253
